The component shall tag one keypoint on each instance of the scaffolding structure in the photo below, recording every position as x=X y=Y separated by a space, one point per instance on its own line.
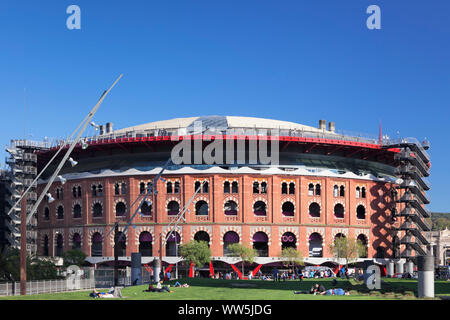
x=22 y=162
x=412 y=170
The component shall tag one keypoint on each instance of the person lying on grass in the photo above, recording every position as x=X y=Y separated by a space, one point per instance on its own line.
x=314 y=289
x=336 y=292
x=177 y=284
x=159 y=288
x=96 y=294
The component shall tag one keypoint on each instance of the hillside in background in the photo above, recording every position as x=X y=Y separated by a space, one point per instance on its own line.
x=440 y=220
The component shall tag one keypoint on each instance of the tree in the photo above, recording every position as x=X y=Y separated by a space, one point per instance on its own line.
x=347 y=249
x=291 y=257
x=196 y=252
x=74 y=257
x=243 y=252
x=37 y=269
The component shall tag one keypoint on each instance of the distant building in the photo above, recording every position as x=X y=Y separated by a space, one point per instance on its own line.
x=440 y=245
x=22 y=171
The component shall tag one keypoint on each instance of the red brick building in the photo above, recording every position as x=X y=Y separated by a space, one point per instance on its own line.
x=325 y=185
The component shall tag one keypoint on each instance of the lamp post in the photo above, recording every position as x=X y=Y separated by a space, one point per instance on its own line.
x=23 y=247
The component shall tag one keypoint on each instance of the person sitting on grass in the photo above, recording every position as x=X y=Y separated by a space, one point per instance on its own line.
x=151 y=288
x=317 y=289
x=161 y=288
x=335 y=292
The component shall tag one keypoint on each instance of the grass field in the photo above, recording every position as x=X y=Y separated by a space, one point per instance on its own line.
x=209 y=289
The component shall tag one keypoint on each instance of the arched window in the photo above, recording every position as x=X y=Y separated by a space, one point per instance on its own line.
x=74 y=192
x=169 y=187
x=120 y=209
x=229 y=238
x=57 y=193
x=77 y=211
x=60 y=212
x=177 y=187
x=99 y=190
x=146 y=208
x=260 y=244
x=291 y=188
x=230 y=208
x=145 y=244
x=202 y=236
x=142 y=188
x=197 y=186
x=121 y=246
x=172 y=244
x=315 y=245
x=46 y=213
x=338 y=236
x=314 y=210
x=116 y=189
x=288 y=209
x=226 y=187
x=396 y=247
x=124 y=188
x=45 y=249
x=335 y=191
x=263 y=187
x=288 y=240
x=76 y=241
x=59 y=245
x=98 y=210
x=358 y=192
x=205 y=187
x=94 y=190
x=79 y=191
x=310 y=189
x=360 y=212
x=201 y=208
x=381 y=253
x=362 y=252
x=256 y=187
x=259 y=208
x=342 y=191
x=339 y=211
x=317 y=189
x=284 y=188
x=96 y=246
x=363 y=192
x=234 y=187
x=173 y=208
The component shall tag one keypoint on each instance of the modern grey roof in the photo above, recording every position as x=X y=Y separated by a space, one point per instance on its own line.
x=221 y=123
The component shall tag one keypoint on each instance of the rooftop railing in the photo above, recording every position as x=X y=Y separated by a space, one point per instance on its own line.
x=338 y=135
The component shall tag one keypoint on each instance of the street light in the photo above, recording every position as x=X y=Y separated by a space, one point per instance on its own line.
x=84 y=144
x=63 y=180
x=96 y=126
x=50 y=198
x=73 y=162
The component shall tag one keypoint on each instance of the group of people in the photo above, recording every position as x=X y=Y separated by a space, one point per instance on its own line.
x=320 y=289
x=161 y=288
x=112 y=293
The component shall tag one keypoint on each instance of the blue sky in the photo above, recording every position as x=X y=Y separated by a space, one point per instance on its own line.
x=289 y=60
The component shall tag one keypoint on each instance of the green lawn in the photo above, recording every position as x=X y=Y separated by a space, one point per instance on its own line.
x=209 y=289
